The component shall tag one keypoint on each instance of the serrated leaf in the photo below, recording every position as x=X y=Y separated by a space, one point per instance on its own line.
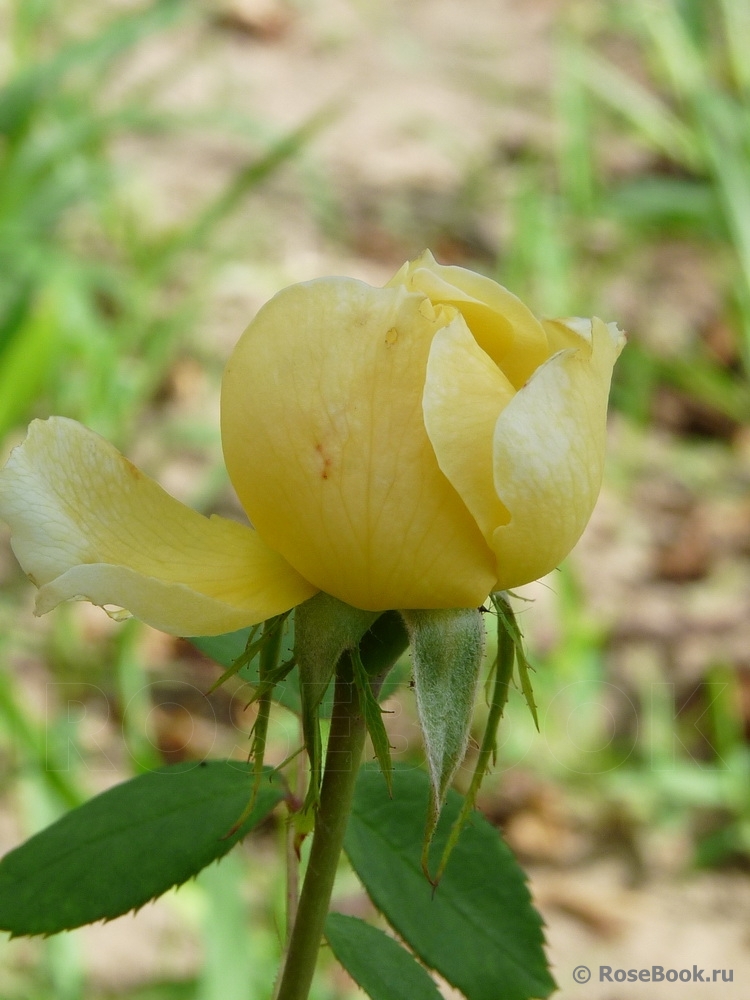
x=478 y=929
x=129 y=845
x=377 y=963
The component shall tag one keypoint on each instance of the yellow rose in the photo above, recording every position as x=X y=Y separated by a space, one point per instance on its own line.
x=413 y=446
x=418 y=445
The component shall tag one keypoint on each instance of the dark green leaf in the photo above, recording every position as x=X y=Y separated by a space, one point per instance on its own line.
x=479 y=928
x=376 y=962
x=128 y=845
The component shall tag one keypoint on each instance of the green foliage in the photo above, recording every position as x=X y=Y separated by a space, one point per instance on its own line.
x=87 y=287
x=228 y=967
x=36 y=744
x=53 y=165
x=86 y=284
x=478 y=928
x=377 y=963
x=128 y=845
x=692 y=113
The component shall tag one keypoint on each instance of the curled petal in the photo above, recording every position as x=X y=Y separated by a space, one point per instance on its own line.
x=464 y=394
x=325 y=444
x=503 y=326
x=549 y=452
x=86 y=523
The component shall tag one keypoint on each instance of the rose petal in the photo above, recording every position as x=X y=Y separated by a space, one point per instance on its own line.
x=325 y=443
x=87 y=523
x=503 y=326
x=549 y=454
x=464 y=394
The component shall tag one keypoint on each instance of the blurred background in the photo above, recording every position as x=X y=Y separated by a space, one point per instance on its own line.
x=166 y=167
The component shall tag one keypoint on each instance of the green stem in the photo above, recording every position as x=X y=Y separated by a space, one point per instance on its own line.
x=379 y=650
x=345 y=744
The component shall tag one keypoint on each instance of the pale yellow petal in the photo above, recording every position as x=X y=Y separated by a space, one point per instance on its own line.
x=503 y=326
x=565 y=333
x=87 y=523
x=464 y=394
x=549 y=456
x=325 y=443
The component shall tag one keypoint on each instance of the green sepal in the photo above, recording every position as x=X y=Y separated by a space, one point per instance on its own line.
x=271 y=631
x=373 y=714
x=269 y=663
x=510 y=651
x=507 y=620
x=499 y=678
x=265 y=687
x=447 y=648
x=325 y=628
x=252 y=646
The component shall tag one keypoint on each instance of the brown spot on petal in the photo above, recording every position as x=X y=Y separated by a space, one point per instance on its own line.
x=325 y=461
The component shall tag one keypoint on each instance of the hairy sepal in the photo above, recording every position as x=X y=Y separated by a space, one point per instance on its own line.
x=325 y=629
x=447 y=647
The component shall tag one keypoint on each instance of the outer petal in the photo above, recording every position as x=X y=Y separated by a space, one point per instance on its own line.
x=549 y=453
x=86 y=523
x=503 y=326
x=325 y=443
x=464 y=394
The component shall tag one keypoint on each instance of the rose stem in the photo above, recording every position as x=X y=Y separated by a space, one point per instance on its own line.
x=345 y=744
x=380 y=649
